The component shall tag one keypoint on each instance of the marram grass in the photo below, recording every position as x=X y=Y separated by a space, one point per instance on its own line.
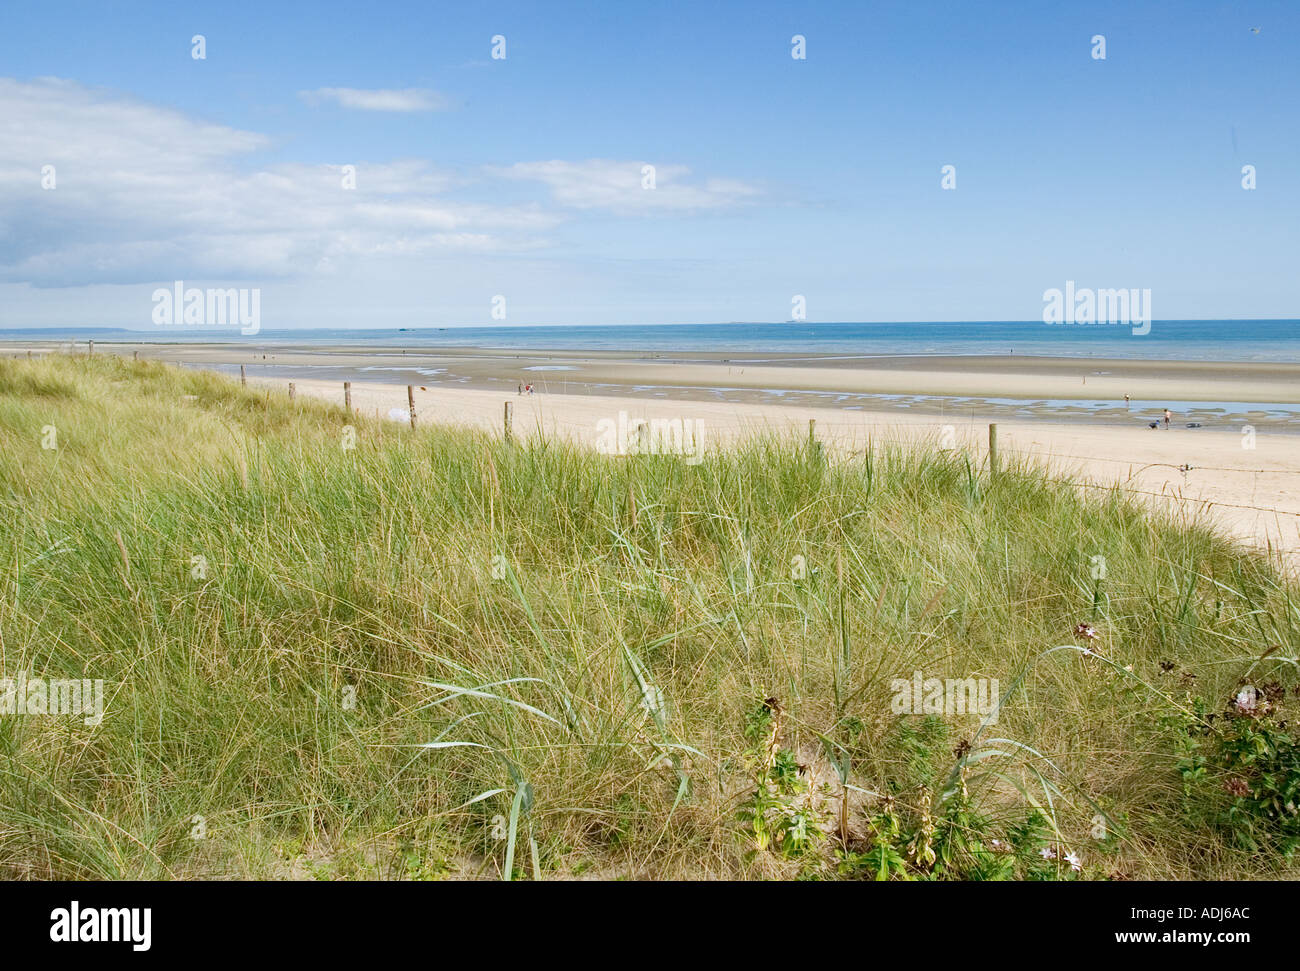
x=442 y=654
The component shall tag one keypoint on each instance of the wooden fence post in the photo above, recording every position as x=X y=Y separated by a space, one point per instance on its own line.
x=993 y=449
x=508 y=410
x=347 y=396
x=243 y=378
x=814 y=446
x=91 y=349
x=410 y=401
x=135 y=355
x=290 y=390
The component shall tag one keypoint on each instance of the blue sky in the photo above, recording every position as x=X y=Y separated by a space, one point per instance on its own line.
x=522 y=176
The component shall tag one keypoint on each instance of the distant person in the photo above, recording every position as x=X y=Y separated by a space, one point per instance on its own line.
x=1126 y=401
x=1168 y=417
x=521 y=389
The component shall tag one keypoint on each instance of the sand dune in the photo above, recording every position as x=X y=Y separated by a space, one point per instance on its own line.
x=1251 y=492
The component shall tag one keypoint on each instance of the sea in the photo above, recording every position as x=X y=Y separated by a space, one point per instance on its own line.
x=1174 y=340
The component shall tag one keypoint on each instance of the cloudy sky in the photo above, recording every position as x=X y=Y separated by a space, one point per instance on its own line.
x=525 y=176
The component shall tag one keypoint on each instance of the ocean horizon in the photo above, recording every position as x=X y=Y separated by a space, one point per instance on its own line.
x=1274 y=340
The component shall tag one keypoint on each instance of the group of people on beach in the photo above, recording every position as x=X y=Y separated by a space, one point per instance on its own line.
x=1169 y=416
x=525 y=389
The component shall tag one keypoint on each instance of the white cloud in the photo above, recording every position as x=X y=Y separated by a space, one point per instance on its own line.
x=404 y=99
x=146 y=193
x=621 y=186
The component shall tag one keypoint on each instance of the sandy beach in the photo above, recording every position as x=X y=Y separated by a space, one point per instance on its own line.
x=1213 y=394
x=1232 y=450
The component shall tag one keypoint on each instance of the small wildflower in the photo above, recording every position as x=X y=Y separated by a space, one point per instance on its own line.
x=1072 y=858
x=1166 y=667
x=1047 y=853
x=1247 y=700
x=962 y=749
x=1237 y=787
x=1086 y=631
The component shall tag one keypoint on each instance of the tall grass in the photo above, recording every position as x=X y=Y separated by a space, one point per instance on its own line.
x=442 y=653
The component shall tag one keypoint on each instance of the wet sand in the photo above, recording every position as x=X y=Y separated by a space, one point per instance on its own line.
x=1005 y=387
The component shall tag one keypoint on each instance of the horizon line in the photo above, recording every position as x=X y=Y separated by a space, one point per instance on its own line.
x=498 y=325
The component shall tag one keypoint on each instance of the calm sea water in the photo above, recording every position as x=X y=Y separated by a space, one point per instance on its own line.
x=1190 y=340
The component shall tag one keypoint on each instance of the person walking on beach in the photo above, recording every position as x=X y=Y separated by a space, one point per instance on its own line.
x=521 y=389
x=1126 y=402
x=1168 y=416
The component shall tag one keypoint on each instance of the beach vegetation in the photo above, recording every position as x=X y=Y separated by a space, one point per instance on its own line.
x=440 y=653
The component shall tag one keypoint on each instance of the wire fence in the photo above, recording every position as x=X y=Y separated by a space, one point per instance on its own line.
x=837 y=431
x=1038 y=453
x=858 y=430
